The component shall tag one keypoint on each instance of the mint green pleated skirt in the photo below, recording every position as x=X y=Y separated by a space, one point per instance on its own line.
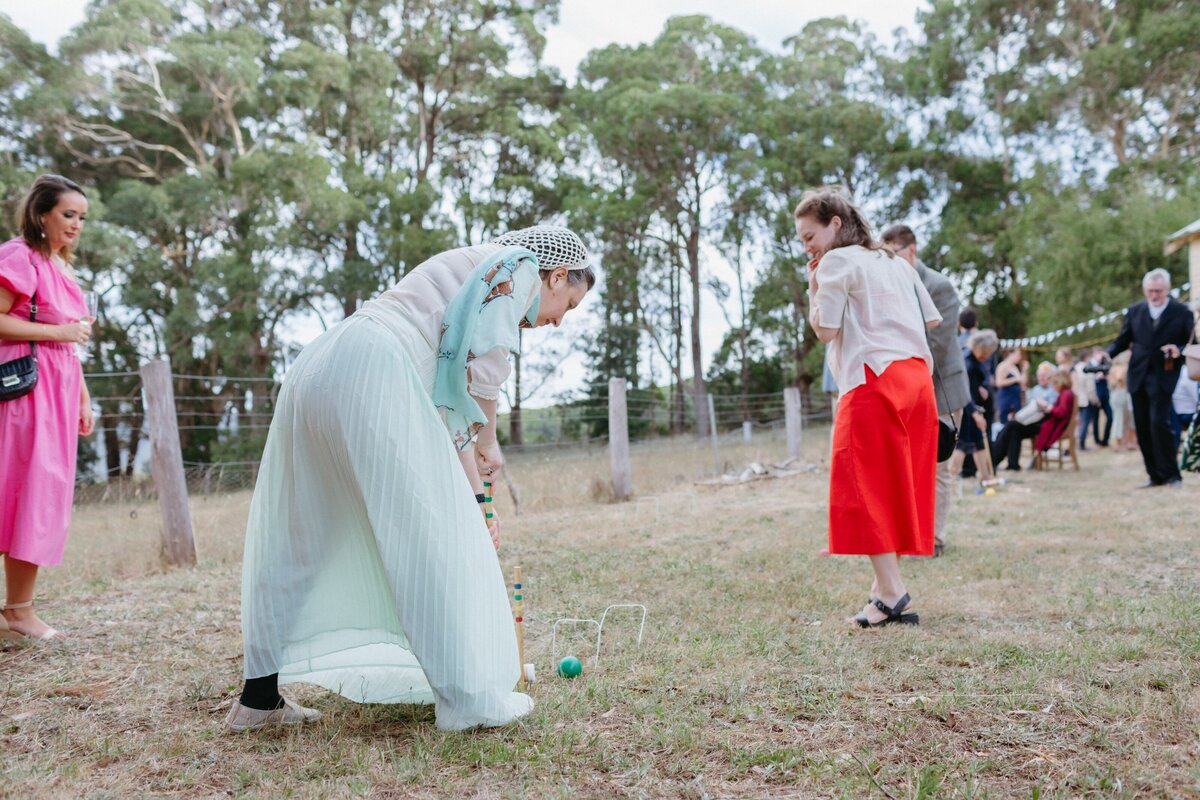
x=368 y=569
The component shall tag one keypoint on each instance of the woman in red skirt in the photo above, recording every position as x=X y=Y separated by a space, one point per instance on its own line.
x=872 y=311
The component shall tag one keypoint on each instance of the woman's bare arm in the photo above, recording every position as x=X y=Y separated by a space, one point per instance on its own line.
x=14 y=329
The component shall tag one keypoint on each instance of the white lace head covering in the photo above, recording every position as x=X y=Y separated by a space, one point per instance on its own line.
x=554 y=246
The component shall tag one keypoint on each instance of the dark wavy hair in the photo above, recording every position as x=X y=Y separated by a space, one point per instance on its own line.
x=827 y=202
x=43 y=196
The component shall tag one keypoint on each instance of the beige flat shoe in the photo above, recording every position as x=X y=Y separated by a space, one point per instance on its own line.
x=242 y=718
x=6 y=631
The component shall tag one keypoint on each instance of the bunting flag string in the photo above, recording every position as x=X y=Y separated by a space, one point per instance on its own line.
x=1037 y=342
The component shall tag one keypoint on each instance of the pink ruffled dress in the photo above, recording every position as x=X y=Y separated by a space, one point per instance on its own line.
x=38 y=432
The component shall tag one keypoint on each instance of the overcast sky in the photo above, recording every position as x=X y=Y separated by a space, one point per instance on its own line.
x=584 y=25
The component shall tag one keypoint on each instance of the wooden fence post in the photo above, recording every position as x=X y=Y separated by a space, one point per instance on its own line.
x=618 y=440
x=167 y=464
x=793 y=420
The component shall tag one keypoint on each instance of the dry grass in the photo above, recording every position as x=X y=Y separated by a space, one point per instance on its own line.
x=1059 y=654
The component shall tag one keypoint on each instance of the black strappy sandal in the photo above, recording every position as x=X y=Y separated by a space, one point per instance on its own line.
x=894 y=615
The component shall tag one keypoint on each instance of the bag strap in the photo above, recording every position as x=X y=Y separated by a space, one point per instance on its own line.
x=33 y=318
x=937 y=377
x=33 y=307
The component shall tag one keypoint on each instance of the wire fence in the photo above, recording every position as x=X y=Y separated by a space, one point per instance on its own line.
x=223 y=423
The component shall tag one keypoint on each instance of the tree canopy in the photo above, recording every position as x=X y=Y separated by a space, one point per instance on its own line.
x=251 y=162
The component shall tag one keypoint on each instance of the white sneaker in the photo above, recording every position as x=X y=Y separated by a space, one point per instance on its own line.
x=242 y=718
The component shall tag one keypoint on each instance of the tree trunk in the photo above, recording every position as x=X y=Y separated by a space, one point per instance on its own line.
x=350 y=301
x=516 y=435
x=135 y=439
x=680 y=414
x=112 y=447
x=699 y=389
x=422 y=130
x=743 y=334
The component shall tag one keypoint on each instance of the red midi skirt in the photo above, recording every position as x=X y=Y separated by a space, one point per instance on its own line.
x=881 y=482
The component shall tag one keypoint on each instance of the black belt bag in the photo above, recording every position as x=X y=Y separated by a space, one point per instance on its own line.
x=19 y=376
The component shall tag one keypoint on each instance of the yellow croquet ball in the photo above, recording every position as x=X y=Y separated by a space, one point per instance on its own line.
x=990 y=491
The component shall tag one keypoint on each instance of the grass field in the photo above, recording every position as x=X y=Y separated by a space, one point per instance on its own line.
x=1058 y=655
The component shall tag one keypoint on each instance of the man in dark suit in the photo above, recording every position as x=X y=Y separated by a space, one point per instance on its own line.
x=1155 y=331
x=951 y=390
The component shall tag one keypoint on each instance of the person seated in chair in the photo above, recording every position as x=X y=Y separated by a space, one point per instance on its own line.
x=1044 y=396
x=1057 y=418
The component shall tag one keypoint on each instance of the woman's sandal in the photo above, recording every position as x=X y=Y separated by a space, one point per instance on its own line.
x=6 y=631
x=893 y=614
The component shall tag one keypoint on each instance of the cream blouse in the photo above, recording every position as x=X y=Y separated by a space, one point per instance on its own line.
x=879 y=303
x=421 y=297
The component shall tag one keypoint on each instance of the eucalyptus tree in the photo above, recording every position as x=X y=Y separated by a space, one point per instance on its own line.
x=432 y=138
x=28 y=90
x=1028 y=105
x=673 y=111
x=399 y=97
x=167 y=122
x=611 y=211
x=982 y=117
x=826 y=121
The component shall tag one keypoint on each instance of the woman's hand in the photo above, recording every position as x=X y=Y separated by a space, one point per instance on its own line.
x=980 y=420
x=77 y=332
x=87 y=418
x=488 y=460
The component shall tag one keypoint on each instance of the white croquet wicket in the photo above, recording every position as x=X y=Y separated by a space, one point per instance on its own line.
x=599 y=626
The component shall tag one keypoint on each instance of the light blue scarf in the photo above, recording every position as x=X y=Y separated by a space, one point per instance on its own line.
x=478 y=320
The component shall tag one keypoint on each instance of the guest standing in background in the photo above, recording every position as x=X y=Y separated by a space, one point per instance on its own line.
x=951 y=389
x=1155 y=331
x=1011 y=378
x=42 y=307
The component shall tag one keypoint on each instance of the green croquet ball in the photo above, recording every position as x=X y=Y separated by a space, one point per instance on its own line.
x=570 y=667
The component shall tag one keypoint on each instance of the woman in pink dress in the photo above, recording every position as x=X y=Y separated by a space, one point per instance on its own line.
x=38 y=430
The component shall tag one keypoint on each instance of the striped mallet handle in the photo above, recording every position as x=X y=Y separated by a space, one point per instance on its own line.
x=488 y=516
x=519 y=620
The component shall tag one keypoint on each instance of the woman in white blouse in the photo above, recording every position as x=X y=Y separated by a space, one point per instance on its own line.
x=872 y=311
x=368 y=565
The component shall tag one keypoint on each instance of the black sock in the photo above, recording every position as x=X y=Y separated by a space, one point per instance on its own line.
x=262 y=694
